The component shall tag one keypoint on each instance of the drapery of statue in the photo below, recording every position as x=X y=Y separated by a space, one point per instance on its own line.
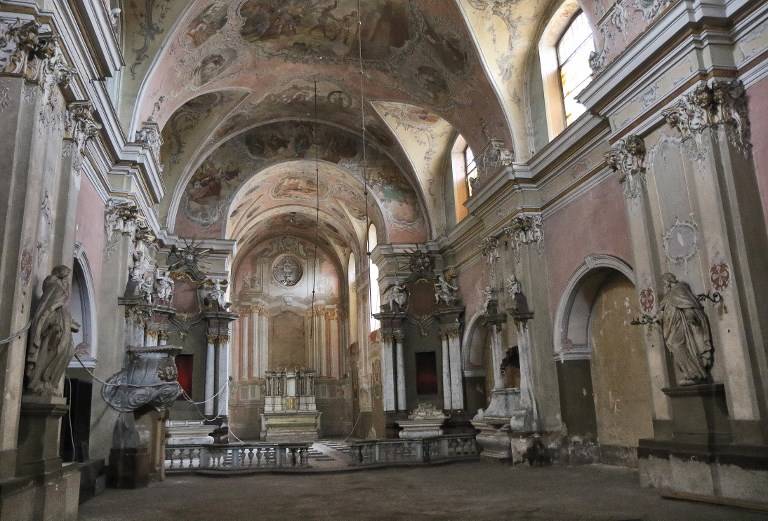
x=50 y=346
x=686 y=332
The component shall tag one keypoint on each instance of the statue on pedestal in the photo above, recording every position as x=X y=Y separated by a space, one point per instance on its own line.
x=445 y=292
x=686 y=331
x=50 y=335
x=399 y=299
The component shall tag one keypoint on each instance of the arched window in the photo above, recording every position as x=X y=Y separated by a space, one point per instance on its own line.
x=573 y=51
x=464 y=172
x=374 y=277
x=352 y=288
x=564 y=50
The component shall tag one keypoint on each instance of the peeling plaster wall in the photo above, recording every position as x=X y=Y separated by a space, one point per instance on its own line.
x=620 y=378
x=595 y=223
x=758 y=116
x=89 y=229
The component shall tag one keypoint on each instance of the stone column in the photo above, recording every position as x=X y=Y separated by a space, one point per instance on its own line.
x=223 y=375
x=527 y=396
x=210 y=365
x=495 y=326
x=454 y=350
x=447 y=402
x=398 y=338
x=387 y=376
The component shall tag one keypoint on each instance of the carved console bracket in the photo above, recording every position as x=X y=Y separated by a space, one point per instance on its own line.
x=627 y=158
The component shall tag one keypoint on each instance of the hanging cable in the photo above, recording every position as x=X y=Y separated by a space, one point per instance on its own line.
x=365 y=157
x=317 y=221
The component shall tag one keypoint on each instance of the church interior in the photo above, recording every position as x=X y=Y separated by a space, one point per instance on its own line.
x=512 y=254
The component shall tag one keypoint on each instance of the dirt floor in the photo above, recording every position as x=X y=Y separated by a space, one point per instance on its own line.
x=459 y=491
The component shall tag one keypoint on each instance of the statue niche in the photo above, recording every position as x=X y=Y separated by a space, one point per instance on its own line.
x=50 y=346
x=686 y=331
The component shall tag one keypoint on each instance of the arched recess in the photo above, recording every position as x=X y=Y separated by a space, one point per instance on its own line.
x=83 y=308
x=602 y=367
x=476 y=370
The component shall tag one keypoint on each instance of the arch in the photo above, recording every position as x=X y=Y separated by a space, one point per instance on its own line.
x=84 y=295
x=472 y=342
x=572 y=316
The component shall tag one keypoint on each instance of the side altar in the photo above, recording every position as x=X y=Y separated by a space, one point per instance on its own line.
x=290 y=411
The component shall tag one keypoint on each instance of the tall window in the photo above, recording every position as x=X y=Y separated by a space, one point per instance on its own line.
x=352 y=287
x=573 y=51
x=464 y=170
x=470 y=168
x=374 y=275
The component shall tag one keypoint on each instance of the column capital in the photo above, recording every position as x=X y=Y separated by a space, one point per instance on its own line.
x=79 y=124
x=717 y=102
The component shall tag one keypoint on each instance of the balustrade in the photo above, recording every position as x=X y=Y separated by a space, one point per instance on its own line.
x=414 y=451
x=236 y=457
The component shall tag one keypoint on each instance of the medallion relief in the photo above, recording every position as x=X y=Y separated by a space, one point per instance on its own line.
x=287 y=270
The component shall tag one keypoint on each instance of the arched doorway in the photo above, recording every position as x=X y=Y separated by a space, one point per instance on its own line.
x=602 y=367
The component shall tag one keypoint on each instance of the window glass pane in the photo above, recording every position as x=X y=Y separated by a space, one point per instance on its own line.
x=573 y=52
x=470 y=168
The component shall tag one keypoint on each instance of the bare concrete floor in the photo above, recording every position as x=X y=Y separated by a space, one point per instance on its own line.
x=459 y=491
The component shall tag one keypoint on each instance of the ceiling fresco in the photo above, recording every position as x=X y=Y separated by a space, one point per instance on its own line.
x=417 y=52
x=427 y=139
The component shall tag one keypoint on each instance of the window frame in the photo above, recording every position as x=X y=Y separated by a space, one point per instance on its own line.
x=560 y=65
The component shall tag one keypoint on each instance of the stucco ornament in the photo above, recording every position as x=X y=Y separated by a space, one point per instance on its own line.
x=18 y=40
x=121 y=217
x=163 y=288
x=80 y=124
x=686 y=331
x=216 y=297
x=287 y=270
x=710 y=105
x=681 y=241
x=627 y=158
x=149 y=137
x=524 y=229
x=185 y=262
x=426 y=411
x=50 y=336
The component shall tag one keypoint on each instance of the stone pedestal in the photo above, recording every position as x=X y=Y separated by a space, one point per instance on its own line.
x=129 y=467
x=423 y=428
x=699 y=413
x=699 y=462
x=38 y=450
x=506 y=427
x=290 y=426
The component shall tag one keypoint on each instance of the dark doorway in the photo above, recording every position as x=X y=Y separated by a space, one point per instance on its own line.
x=426 y=373
x=75 y=425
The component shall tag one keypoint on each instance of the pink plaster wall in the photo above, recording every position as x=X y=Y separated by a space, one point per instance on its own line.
x=758 y=116
x=471 y=281
x=595 y=223
x=90 y=227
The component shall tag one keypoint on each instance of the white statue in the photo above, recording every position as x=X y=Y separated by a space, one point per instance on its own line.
x=686 y=331
x=164 y=285
x=445 y=292
x=216 y=297
x=399 y=299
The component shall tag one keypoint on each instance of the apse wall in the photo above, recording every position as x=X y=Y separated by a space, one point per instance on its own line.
x=277 y=329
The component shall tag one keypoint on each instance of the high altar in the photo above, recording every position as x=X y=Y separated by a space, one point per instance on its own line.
x=290 y=412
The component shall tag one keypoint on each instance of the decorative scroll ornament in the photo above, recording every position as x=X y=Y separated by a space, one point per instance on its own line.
x=647 y=300
x=50 y=346
x=420 y=262
x=79 y=124
x=287 y=270
x=627 y=157
x=597 y=60
x=720 y=276
x=710 y=105
x=149 y=137
x=525 y=229
x=120 y=218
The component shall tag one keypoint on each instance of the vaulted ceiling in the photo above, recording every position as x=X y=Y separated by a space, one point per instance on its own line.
x=232 y=84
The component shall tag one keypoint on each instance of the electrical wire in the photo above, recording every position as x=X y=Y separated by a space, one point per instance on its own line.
x=317 y=219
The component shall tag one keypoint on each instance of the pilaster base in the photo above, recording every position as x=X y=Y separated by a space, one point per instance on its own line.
x=699 y=413
x=726 y=474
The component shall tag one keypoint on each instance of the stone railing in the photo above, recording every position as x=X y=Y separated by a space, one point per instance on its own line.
x=452 y=447
x=237 y=457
